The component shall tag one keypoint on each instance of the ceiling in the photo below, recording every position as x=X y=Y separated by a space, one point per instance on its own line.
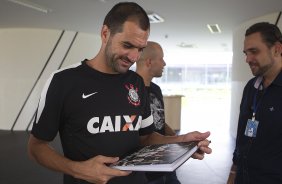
x=185 y=21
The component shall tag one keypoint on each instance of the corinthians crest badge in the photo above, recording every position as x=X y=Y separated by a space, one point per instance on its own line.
x=132 y=97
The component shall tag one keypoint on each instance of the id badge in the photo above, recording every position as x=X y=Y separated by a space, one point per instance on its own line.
x=251 y=128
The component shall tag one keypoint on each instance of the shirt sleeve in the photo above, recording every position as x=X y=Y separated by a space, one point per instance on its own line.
x=240 y=126
x=147 y=124
x=48 y=114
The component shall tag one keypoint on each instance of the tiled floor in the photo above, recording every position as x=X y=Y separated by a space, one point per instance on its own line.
x=208 y=114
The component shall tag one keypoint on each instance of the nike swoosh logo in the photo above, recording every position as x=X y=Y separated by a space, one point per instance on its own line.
x=86 y=96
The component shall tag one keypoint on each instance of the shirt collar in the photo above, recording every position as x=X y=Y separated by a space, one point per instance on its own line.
x=257 y=83
x=276 y=81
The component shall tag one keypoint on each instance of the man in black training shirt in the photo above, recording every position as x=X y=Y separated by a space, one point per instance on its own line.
x=99 y=108
x=150 y=65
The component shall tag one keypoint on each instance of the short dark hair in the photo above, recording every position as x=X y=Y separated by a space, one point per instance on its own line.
x=124 y=11
x=270 y=33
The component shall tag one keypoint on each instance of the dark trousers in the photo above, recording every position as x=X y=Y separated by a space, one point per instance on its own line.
x=168 y=178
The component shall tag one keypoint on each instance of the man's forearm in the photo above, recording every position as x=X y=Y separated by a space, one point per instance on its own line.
x=45 y=155
x=169 y=130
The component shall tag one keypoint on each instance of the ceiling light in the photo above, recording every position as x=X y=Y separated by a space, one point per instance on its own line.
x=31 y=5
x=155 y=18
x=214 y=28
x=185 y=45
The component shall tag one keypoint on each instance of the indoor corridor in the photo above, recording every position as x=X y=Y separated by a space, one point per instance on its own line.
x=208 y=113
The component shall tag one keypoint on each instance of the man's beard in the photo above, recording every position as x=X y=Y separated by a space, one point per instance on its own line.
x=112 y=59
x=263 y=69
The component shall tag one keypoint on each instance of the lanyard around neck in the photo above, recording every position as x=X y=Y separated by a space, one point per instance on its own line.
x=255 y=103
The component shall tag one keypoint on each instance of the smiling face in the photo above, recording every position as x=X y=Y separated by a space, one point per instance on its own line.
x=258 y=55
x=123 y=49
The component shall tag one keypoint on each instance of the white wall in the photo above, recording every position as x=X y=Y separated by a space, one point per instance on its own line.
x=27 y=57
